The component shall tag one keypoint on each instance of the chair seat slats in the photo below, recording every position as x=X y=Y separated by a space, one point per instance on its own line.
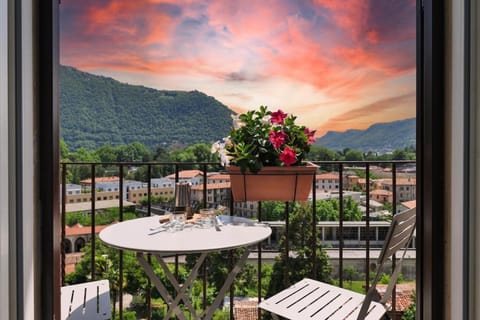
x=310 y=299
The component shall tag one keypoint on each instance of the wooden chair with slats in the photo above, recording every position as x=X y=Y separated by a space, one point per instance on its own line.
x=314 y=300
x=89 y=300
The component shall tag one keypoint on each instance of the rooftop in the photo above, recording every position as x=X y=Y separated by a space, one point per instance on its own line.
x=186 y=174
x=101 y=179
x=99 y=204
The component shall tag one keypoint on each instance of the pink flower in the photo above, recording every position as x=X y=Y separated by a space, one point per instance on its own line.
x=288 y=156
x=278 y=117
x=277 y=138
x=310 y=135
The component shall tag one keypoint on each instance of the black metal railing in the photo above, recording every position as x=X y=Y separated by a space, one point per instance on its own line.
x=174 y=168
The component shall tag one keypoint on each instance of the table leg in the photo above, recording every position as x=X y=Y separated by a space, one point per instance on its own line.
x=182 y=289
x=160 y=287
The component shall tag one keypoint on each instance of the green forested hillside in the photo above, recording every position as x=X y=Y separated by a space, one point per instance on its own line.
x=98 y=111
x=380 y=137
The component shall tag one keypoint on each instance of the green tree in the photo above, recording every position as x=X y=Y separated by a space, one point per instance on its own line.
x=350 y=274
x=351 y=210
x=107 y=153
x=218 y=267
x=329 y=210
x=134 y=151
x=81 y=172
x=273 y=210
x=353 y=155
x=370 y=156
x=64 y=152
x=321 y=154
x=301 y=242
x=199 y=152
x=162 y=155
x=326 y=210
x=404 y=154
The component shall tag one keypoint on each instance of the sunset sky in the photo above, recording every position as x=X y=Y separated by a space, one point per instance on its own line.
x=337 y=65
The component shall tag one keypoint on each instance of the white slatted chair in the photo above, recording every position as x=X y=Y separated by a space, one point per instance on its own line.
x=89 y=300
x=314 y=300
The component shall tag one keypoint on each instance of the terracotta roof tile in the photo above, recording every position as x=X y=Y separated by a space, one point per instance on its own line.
x=381 y=192
x=219 y=176
x=410 y=204
x=186 y=174
x=403 y=297
x=78 y=230
x=245 y=310
x=327 y=176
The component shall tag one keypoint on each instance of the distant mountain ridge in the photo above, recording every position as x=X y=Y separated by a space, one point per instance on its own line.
x=97 y=110
x=379 y=137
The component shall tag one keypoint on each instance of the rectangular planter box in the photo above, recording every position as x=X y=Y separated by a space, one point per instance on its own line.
x=273 y=183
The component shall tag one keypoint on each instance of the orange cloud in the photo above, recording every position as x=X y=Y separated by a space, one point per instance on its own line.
x=384 y=110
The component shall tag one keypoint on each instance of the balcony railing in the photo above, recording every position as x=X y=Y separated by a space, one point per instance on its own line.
x=339 y=233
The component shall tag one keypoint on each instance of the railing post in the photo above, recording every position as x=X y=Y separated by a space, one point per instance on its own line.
x=64 y=199
x=92 y=192
x=314 y=226
x=287 y=245
x=367 y=228
x=120 y=253
x=149 y=189
x=149 y=256
x=340 y=226
x=259 y=265
x=394 y=211
x=204 y=190
x=177 y=179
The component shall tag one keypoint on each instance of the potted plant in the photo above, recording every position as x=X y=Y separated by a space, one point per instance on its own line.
x=264 y=154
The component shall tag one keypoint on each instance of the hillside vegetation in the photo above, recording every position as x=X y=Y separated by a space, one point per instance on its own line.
x=98 y=111
x=380 y=137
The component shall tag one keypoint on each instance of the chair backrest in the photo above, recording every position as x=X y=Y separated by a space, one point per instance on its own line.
x=399 y=235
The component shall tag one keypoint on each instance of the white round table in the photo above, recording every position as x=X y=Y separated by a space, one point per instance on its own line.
x=136 y=235
x=143 y=236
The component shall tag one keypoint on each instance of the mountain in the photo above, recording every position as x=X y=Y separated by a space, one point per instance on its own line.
x=379 y=137
x=98 y=111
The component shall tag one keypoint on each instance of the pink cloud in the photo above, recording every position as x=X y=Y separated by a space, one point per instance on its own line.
x=246 y=21
x=350 y=16
x=343 y=49
x=110 y=30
